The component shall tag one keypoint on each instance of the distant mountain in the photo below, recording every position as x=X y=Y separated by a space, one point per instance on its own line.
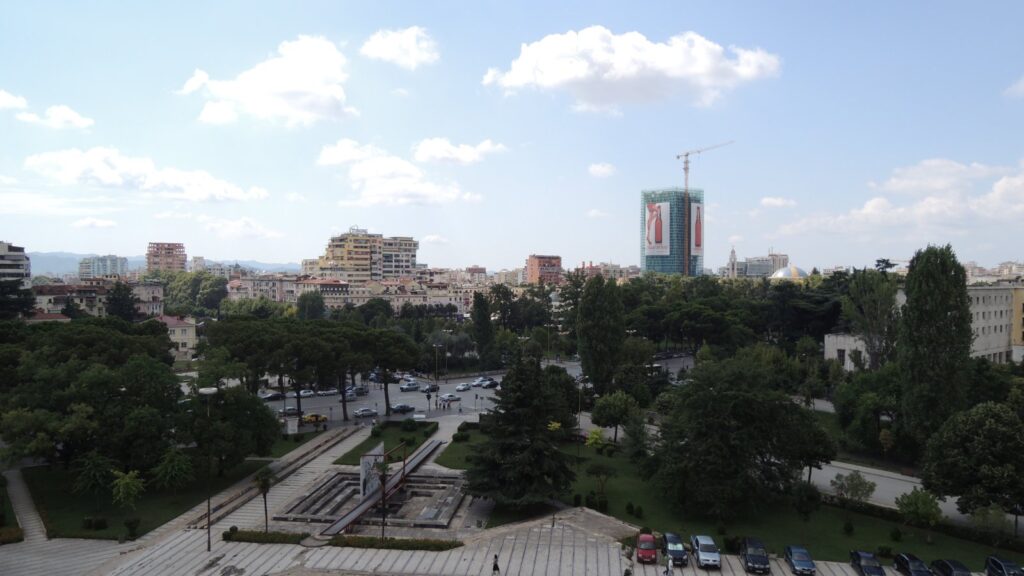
x=61 y=263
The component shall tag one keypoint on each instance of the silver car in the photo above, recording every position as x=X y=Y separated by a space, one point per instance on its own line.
x=705 y=551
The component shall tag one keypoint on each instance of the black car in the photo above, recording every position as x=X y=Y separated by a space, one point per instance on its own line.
x=996 y=566
x=799 y=560
x=491 y=383
x=910 y=565
x=950 y=568
x=402 y=408
x=754 y=556
x=865 y=563
x=672 y=546
x=272 y=396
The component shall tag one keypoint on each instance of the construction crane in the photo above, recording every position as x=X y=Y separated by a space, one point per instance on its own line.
x=685 y=156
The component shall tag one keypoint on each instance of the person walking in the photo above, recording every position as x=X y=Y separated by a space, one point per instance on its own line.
x=495 y=569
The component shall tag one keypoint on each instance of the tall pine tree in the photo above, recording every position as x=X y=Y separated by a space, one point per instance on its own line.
x=602 y=331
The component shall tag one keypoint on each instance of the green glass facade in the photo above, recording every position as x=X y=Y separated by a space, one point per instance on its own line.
x=679 y=231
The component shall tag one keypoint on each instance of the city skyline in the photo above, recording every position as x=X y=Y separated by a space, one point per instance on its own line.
x=489 y=143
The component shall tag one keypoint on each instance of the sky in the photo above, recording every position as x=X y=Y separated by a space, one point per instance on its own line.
x=490 y=131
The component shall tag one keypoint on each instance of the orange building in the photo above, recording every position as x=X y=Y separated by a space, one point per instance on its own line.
x=546 y=269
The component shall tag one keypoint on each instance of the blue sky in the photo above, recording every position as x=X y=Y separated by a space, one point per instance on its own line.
x=490 y=131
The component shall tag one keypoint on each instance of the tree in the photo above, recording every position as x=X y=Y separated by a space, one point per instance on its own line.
x=934 y=342
x=991 y=520
x=72 y=310
x=483 y=329
x=601 y=331
x=919 y=508
x=121 y=302
x=870 y=307
x=637 y=440
x=806 y=499
x=174 y=470
x=520 y=463
x=852 y=487
x=310 y=306
x=613 y=410
x=127 y=488
x=978 y=457
x=601 y=472
x=93 y=475
x=263 y=480
x=15 y=301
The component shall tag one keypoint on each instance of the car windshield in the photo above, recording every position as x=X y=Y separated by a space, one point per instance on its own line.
x=917 y=565
x=869 y=562
x=647 y=545
x=801 y=557
x=1011 y=568
x=756 y=552
x=708 y=548
x=675 y=546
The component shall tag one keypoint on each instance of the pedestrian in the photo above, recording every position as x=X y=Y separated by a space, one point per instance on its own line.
x=495 y=569
x=668 y=565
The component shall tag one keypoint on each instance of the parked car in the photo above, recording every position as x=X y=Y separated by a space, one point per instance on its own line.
x=646 y=549
x=361 y=390
x=402 y=408
x=672 y=546
x=462 y=387
x=314 y=418
x=290 y=411
x=449 y=397
x=430 y=388
x=799 y=560
x=364 y=413
x=950 y=568
x=754 y=556
x=307 y=393
x=491 y=383
x=910 y=565
x=272 y=397
x=996 y=566
x=705 y=552
x=409 y=387
x=327 y=392
x=349 y=396
x=865 y=563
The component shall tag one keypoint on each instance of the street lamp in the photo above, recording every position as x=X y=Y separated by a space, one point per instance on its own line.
x=208 y=392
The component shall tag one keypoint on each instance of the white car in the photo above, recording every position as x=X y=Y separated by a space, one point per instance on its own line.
x=307 y=393
x=479 y=382
x=449 y=397
x=462 y=387
x=327 y=392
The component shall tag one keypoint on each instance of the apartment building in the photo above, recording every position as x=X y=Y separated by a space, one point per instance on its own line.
x=149 y=298
x=358 y=257
x=102 y=266
x=182 y=332
x=546 y=269
x=166 y=257
x=52 y=298
x=15 y=264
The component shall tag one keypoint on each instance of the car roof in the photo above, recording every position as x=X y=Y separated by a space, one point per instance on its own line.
x=703 y=539
x=672 y=537
x=910 y=557
x=954 y=564
x=863 y=554
x=795 y=548
x=646 y=537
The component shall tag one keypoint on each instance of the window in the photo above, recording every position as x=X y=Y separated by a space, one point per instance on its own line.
x=841 y=356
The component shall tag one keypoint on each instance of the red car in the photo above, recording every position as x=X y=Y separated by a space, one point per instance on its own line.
x=646 y=549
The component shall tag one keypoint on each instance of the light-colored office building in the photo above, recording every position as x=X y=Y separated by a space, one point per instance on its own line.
x=15 y=264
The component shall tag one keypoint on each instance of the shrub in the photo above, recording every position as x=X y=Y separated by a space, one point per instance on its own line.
x=260 y=537
x=577 y=500
x=610 y=450
x=645 y=530
x=721 y=530
x=591 y=500
x=298 y=437
x=639 y=512
x=885 y=551
x=409 y=425
x=848 y=527
x=629 y=508
x=600 y=449
x=375 y=431
x=94 y=523
x=10 y=535
x=458 y=436
x=394 y=543
x=896 y=535
x=602 y=504
x=87 y=523
x=132 y=524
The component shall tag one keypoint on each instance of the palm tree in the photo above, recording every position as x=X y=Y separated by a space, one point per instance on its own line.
x=263 y=480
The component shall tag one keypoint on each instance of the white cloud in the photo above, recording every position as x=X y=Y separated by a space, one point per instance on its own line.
x=936 y=175
x=243 y=227
x=108 y=168
x=602 y=69
x=434 y=239
x=441 y=149
x=295 y=197
x=57 y=117
x=7 y=180
x=408 y=48
x=601 y=170
x=34 y=203
x=735 y=239
x=595 y=213
x=8 y=100
x=1005 y=201
x=400 y=92
x=1016 y=90
x=777 y=202
x=301 y=85
x=91 y=222
x=379 y=178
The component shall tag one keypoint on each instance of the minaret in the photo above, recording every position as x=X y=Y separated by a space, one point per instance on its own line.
x=732 y=263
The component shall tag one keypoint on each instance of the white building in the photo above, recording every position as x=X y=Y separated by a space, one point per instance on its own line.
x=102 y=266
x=15 y=264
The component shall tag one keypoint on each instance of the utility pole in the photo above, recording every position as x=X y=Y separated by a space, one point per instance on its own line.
x=685 y=157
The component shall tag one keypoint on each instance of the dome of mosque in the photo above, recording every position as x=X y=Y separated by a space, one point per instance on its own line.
x=791 y=272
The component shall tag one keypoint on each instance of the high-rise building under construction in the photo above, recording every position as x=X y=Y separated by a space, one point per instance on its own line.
x=672 y=231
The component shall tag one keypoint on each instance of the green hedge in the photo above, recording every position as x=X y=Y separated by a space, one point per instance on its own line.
x=955 y=530
x=257 y=537
x=394 y=543
x=11 y=534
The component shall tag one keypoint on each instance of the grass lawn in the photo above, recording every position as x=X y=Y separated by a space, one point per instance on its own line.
x=390 y=435
x=62 y=510
x=454 y=455
x=830 y=422
x=285 y=444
